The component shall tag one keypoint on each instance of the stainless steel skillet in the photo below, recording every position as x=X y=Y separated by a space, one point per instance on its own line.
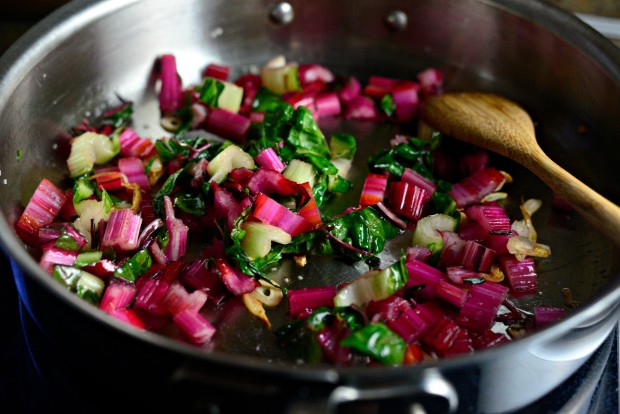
x=566 y=75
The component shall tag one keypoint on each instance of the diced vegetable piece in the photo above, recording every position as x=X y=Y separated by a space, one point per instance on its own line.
x=177 y=230
x=178 y=299
x=471 y=189
x=410 y=325
x=378 y=341
x=118 y=295
x=230 y=98
x=420 y=253
x=489 y=339
x=268 y=182
x=225 y=204
x=521 y=274
x=330 y=339
x=313 y=72
x=452 y=294
x=477 y=257
x=412 y=177
x=129 y=317
x=220 y=72
x=374 y=285
x=103 y=268
x=87 y=258
x=194 y=326
x=281 y=79
x=349 y=90
x=151 y=295
x=68 y=276
x=258 y=238
x=56 y=256
x=498 y=242
x=109 y=180
x=122 y=230
x=235 y=281
x=42 y=209
x=269 y=159
x=460 y=275
x=480 y=308
x=300 y=172
x=462 y=345
x=442 y=334
x=431 y=80
x=170 y=95
x=89 y=149
x=361 y=108
x=311 y=211
x=85 y=285
x=428 y=231
x=67 y=211
x=132 y=145
x=407 y=200
x=424 y=275
x=271 y=212
x=91 y=213
x=405 y=97
x=492 y=218
x=545 y=315
x=135 y=267
x=228 y=124
x=230 y=158
x=342 y=145
x=90 y=287
x=133 y=169
x=379 y=86
x=452 y=251
x=374 y=189
x=387 y=309
x=198 y=277
x=302 y=302
x=327 y=104
x=70 y=239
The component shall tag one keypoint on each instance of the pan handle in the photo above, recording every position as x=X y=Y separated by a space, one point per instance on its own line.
x=433 y=394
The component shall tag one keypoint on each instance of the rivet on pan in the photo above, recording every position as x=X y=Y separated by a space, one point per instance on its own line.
x=396 y=20
x=282 y=13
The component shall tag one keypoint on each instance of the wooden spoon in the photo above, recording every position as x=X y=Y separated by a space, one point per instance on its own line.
x=498 y=124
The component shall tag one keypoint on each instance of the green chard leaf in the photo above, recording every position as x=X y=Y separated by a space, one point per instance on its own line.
x=67 y=242
x=342 y=145
x=415 y=154
x=387 y=105
x=136 y=266
x=265 y=101
x=210 y=92
x=119 y=117
x=166 y=189
x=363 y=229
x=378 y=341
x=82 y=189
x=191 y=203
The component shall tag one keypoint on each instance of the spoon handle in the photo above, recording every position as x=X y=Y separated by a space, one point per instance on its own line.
x=599 y=211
